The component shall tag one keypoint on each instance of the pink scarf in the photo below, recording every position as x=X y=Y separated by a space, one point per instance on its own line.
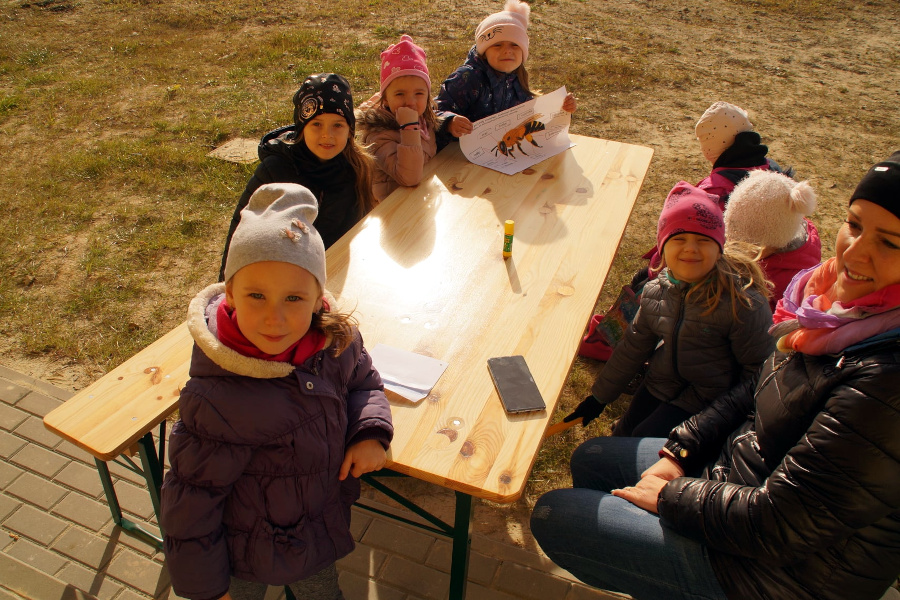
x=230 y=334
x=807 y=318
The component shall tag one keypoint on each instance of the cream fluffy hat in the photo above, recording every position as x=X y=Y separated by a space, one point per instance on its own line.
x=768 y=209
x=718 y=127
x=511 y=24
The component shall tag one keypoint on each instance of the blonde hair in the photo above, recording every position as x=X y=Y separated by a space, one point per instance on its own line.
x=736 y=272
x=337 y=326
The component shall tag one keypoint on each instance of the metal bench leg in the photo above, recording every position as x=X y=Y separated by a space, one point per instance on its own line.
x=462 y=542
x=153 y=474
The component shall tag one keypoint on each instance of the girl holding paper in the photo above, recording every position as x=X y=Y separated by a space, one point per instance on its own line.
x=493 y=77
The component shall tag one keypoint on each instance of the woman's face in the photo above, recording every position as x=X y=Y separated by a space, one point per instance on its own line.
x=326 y=136
x=867 y=251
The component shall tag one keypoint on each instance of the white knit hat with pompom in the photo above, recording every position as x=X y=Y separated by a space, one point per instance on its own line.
x=768 y=209
x=509 y=25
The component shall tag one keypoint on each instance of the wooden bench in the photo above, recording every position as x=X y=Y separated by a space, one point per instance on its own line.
x=114 y=418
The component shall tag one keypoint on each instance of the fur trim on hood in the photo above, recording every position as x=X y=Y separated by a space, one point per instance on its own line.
x=376 y=118
x=206 y=302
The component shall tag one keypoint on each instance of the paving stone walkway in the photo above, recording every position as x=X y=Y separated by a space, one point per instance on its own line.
x=58 y=541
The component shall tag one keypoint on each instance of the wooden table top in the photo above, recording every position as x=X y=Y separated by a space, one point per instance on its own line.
x=424 y=272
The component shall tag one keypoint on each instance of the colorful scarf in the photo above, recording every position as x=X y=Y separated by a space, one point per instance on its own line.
x=230 y=335
x=807 y=318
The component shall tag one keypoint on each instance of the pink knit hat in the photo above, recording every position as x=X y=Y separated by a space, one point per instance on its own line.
x=689 y=209
x=718 y=127
x=510 y=25
x=402 y=59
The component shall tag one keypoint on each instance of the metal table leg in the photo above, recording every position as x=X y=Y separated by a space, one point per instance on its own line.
x=460 y=533
x=462 y=542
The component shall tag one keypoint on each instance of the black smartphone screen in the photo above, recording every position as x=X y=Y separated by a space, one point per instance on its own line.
x=514 y=383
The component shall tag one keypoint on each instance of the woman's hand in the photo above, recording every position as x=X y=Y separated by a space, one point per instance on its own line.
x=665 y=468
x=569 y=103
x=644 y=494
x=460 y=126
x=361 y=458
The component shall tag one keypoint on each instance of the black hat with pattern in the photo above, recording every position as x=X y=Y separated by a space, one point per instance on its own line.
x=323 y=93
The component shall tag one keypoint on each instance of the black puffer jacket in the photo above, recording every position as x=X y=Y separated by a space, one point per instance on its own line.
x=804 y=500
x=285 y=158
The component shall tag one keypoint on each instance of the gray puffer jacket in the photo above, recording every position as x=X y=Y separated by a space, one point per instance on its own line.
x=803 y=501
x=693 y=357
x=253 y=490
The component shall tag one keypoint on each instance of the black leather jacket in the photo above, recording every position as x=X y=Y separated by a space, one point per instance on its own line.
x=803 y=501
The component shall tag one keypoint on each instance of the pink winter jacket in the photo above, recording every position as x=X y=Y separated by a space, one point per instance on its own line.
x=399 y=155
x=781 y=268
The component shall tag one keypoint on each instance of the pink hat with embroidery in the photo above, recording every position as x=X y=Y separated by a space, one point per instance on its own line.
x=688 y=209
x=718 y=127
x=509 y=25
x=402 y=59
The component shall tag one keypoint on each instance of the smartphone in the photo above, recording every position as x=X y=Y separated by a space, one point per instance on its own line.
x=514 y=383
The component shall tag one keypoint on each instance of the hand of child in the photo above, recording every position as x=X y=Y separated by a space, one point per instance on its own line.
x=569 y=103
x=460 y=126
x=644 y=494
x=589 y=409
x=361 y=458
x=408 y=117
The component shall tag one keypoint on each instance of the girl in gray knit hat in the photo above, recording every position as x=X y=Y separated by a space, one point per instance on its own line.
x=282 y=413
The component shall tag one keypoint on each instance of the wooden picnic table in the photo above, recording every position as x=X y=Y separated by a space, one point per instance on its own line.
x=424 y=272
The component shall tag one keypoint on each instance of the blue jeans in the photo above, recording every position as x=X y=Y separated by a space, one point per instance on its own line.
x=611 y=544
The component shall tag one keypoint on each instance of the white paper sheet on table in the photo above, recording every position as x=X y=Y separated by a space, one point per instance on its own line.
x=499 y=142
x=406 y=373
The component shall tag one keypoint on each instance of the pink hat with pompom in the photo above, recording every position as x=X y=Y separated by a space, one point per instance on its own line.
x=402 y=59
x=509 y=25
x=767 y=208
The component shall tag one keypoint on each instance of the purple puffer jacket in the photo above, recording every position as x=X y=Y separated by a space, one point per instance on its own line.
x=253 y=490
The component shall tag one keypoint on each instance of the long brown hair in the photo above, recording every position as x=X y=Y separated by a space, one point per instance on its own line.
x=736 y=272
x=363 y=165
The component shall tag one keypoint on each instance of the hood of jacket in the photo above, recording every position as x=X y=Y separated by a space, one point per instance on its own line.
x=201 y=316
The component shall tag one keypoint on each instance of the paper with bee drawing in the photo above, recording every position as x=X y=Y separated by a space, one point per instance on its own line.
x=522 y=136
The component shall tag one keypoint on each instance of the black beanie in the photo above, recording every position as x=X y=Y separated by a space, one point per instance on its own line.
x=881 y=185
x=323 y=93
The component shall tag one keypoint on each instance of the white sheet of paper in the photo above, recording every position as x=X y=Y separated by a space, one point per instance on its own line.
x=406 y=373
x=522 y=136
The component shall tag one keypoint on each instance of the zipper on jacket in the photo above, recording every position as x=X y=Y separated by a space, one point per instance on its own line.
x=678 y=323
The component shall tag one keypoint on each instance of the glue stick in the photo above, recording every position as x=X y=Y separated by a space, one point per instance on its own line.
x=508 y=227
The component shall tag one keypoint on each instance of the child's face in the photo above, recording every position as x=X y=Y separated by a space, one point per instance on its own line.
x=409 y=91
x=274 y=302
x=505 y=56
x=326 y=136
x=691 y=257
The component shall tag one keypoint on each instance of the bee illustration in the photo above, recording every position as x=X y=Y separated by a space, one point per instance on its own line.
x=523 y=131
